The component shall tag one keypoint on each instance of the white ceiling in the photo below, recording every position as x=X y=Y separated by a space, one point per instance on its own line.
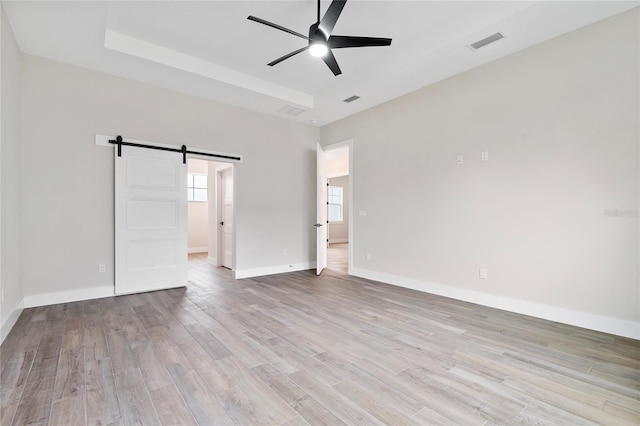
x=210 y=49
x=337 y=161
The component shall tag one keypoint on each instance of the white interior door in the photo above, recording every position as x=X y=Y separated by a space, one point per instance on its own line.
x=226 y=217
x=150 y=220
x=321 y=220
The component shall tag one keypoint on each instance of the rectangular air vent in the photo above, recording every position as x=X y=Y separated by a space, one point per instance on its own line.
x=291 y=110
x=351 y=99
x=481 y=43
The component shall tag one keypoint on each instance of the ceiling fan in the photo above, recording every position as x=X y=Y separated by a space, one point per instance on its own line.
x=321 y=41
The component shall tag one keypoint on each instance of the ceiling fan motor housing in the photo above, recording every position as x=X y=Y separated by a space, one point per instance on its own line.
x=317 y=35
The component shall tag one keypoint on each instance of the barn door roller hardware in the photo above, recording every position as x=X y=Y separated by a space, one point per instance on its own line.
x=183 y=150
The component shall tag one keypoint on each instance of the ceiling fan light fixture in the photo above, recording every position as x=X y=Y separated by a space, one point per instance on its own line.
x=318 y=49
x=321 y=39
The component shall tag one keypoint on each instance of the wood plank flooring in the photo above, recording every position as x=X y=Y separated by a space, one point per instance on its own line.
x=338 y=257
x=296 y=349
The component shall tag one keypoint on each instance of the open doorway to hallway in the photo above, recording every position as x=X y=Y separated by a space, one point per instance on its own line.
x=211 y=212
x=338 y=209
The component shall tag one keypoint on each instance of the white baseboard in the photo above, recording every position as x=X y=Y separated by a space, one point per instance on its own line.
x=212 y=261
x=596 y=322
x=338 y=240
x=8 y=324
x=198 y=249
x=68 y=296
x=270 y=270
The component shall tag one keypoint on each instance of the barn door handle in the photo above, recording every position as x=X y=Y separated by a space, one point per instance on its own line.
x=318 y=225
x=222 y=223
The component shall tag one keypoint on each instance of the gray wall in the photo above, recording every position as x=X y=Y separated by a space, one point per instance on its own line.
x=67 y=181
x=9 y=178
x=560 y=123
x=339 y=232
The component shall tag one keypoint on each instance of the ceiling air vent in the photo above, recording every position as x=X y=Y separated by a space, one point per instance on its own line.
x=351 y=99
x=291 y=110
x=481 y=43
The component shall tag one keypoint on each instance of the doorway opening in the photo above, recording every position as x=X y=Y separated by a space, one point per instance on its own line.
x=211 y=213
x=339 y=194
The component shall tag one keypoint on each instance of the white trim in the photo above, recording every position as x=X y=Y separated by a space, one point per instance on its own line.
x=11 y=320
x=596 y=322
x=198 y=249
x=68 y=296
x=212 y=261
x=338 y=240
x=103 y=140
x=270 y=270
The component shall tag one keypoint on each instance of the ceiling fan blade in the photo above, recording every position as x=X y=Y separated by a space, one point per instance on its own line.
x=331 y=62
x=287 y=56
x=277 y=27
x=340 y=42
x=331 y=16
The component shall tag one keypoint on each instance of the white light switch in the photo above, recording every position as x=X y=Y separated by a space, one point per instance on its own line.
x=460 y=159
x=362 y=213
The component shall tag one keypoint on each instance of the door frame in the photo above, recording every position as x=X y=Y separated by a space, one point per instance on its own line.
x=348 y=143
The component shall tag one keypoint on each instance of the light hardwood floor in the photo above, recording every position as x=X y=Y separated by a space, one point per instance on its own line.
x=297 y=349
x=338 y=257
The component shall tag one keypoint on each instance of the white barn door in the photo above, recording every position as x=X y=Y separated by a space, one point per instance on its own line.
x=150 y=220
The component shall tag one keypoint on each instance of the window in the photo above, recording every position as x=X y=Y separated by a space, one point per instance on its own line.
x=334 y=205
x=197 y=187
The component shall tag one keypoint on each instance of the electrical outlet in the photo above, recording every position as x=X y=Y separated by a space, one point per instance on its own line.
x=368 y=256
x=482 y=274
x=1 y=295
x=460 y=159
x=284 y=252
x=102 y=268
x=485 y=156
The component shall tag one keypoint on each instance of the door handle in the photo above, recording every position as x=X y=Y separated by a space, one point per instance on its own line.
x=222 y=223
x=318 y=225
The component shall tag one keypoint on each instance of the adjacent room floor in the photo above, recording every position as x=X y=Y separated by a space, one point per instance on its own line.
x=338 y=257
x=298 y=349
